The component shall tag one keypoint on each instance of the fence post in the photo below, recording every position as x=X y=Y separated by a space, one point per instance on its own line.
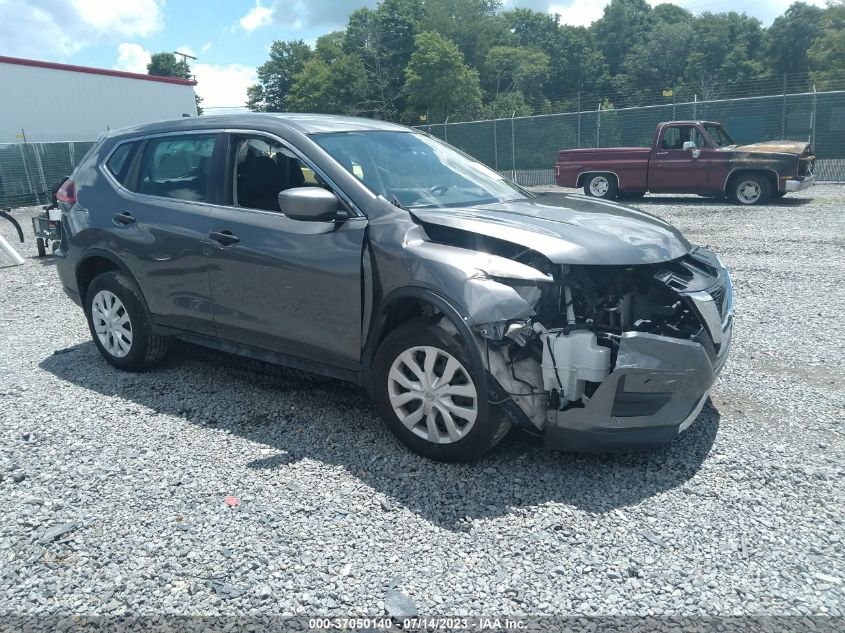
x=26 y=168
x=446 y=128
x=598 y=126
x=783 y=111
x=813 y=120
x=695 y=107
x=495 y=144
x=579 y=119
x=513 y=150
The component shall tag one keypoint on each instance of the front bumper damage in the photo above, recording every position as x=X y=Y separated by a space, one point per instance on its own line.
x=654 y=388
x=655 y=392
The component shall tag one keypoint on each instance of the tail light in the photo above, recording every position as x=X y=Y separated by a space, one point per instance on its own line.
x=67 y=192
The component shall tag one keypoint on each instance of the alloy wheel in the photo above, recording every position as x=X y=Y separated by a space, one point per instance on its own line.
x=112 y=323
x=432 y=394
x=599 y=186
x=748 y=192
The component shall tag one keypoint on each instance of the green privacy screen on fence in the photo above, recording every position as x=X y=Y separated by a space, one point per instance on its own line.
x=524 y=148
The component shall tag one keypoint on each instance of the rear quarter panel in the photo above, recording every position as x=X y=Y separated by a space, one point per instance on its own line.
x=629 y=164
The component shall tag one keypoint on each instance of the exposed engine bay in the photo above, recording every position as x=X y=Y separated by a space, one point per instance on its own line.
x=585 y=318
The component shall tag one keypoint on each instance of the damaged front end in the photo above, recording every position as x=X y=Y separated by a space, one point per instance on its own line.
x=611 y=356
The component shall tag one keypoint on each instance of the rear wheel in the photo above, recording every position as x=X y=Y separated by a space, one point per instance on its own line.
x=749 y=189
x=429 y=396
x=120 y=325
x=601 y=186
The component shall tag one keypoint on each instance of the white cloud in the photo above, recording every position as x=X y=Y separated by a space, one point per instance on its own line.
x=223 y=86
x=206 y=46
x=578 y=12
x=132 y=58
x=60 y=28
x=185 y=49
x=257 y=17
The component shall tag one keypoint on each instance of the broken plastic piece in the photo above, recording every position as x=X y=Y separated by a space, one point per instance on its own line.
x=232 y=501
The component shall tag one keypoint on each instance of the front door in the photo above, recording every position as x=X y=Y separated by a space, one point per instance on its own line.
x=673 y=169
x=286 y=285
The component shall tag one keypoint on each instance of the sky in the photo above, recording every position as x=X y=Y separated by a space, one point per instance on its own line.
x=230 y=38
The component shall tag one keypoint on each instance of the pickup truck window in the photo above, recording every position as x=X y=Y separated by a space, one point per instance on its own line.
x=674 y=137
x=719 y=136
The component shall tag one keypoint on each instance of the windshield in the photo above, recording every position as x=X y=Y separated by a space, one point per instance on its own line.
x=719 y=136
x=417 y=170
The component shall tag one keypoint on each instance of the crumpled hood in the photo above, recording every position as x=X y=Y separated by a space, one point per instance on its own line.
x=569 y=229
x=779 y=147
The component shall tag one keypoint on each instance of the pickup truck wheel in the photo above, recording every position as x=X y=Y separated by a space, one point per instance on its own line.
x=601 y=186
x=750 y=189
x=429 y=396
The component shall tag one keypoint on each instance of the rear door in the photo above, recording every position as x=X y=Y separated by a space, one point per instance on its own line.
x=673 y=169
x=160 y=222
x=286 y=285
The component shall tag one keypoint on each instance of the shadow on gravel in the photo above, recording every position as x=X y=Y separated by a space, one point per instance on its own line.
x=314 y=418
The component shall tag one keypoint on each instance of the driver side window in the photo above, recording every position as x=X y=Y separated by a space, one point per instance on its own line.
x=262 y=169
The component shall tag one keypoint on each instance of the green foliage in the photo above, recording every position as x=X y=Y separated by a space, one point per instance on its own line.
x=463 y=58
x=438 y=82
x=276 y=76
x=828 y=50
x=166 y=65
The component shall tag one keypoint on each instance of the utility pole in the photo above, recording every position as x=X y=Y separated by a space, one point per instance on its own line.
x=185 y=57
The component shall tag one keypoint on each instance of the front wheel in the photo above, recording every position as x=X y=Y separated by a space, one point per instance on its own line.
x=120 y=325
x=429 y=396
x=750 y=189
x=601 y=186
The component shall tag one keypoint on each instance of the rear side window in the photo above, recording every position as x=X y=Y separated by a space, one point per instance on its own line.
x=177 y=167
x=120 y=161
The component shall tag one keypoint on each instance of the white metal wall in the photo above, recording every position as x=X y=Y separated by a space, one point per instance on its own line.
x=58 y=105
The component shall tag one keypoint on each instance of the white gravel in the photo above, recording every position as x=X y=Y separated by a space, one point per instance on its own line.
x=113 y=484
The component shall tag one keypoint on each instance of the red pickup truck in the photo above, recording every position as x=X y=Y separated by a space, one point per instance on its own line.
x=690 y=157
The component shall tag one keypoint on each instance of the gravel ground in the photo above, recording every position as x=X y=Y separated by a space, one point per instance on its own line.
x=113 y=484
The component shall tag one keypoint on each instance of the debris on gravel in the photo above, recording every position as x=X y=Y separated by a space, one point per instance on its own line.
x=113 y=483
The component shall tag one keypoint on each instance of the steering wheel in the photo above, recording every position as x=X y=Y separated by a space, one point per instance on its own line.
x=438 y=189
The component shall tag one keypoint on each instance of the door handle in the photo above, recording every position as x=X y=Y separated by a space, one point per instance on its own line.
x=123 y=218
x=224 y=237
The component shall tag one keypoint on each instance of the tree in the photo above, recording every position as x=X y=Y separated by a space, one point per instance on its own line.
x=337 y=86
x=511 y=68
x=276 y=76
x=828 y=50
x=624 y=25
x=166 y=65
x=438 y=82
x=791 y=35
x=471 y=24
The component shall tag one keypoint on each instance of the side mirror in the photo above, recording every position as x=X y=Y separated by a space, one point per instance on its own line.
x=689 y=146
x=313 y=204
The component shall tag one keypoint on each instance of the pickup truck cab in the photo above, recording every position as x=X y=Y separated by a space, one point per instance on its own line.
x=690 y=157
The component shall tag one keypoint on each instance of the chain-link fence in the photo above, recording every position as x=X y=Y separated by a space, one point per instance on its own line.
x=28 y=170
x=525 y=148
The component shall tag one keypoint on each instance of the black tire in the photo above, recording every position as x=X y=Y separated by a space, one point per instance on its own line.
x=631 y=195
x=489 y=426
x=742 y=184
x=40 y=247
x=146 y=348
x=601 y=186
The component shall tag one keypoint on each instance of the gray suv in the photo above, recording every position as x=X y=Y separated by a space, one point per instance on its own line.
x=377 y=254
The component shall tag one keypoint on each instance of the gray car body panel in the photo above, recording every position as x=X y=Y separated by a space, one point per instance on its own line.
x=345 y=272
